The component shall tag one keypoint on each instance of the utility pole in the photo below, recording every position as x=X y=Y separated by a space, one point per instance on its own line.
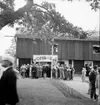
x=52 y=53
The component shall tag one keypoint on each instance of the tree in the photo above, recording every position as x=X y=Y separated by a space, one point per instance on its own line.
x=36 y=19
x=8 y=15
x=38 y=23
x=93 y=3
x=12 y=49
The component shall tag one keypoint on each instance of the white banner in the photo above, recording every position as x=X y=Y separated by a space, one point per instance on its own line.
x=45 y=58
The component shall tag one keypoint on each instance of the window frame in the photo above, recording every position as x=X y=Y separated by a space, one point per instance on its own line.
x=94 y=51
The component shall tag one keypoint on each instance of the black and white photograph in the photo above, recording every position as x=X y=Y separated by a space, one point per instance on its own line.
x=49 y=52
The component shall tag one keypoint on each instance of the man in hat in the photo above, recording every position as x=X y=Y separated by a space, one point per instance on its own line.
x=8 y=90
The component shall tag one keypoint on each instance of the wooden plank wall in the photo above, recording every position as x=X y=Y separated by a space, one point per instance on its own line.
x=77 y=50
x=64 y=50
x=85 y=50
x=60 y=53
x=40 y=48
x=67 y=49
x=24 y=48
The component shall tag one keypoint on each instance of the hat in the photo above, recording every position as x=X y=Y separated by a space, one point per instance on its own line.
x=8 y=58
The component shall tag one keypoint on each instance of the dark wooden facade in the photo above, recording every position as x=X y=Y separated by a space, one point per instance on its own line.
x=67 y=49
x=77 y=50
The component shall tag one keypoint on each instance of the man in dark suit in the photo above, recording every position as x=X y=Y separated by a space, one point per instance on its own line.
x=92 y=79
x=8 y=90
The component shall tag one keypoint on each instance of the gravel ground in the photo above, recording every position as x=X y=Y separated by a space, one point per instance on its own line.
x=49 y=92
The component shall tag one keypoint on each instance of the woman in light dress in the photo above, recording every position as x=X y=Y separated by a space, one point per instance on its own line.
x=83 y=74
x=97 y=84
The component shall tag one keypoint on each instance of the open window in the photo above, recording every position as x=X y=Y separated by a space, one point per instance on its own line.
x=96 y=49
x=56 y=47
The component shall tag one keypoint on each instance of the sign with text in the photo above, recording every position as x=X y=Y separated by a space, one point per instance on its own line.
x=45 y=58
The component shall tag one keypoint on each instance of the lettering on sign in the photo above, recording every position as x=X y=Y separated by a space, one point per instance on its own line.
x=45 y=58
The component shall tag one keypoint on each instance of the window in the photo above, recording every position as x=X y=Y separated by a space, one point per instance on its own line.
x=56 y=47
x=89 y=63
x=70 y=62
x=96 y=49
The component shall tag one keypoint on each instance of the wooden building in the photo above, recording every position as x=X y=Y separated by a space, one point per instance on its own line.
x=72 y=51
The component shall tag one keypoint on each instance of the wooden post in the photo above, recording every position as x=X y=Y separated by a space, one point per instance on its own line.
x=52 y=60
x=30 y=69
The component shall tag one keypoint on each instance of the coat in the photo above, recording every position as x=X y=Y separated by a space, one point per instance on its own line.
x=92 y=78
x=8 y=88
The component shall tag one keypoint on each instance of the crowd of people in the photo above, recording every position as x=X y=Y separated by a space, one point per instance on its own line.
x=38 y=70
x=64 y=72
x=94 y=81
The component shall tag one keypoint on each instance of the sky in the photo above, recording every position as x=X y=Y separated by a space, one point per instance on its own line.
x=77 y=13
